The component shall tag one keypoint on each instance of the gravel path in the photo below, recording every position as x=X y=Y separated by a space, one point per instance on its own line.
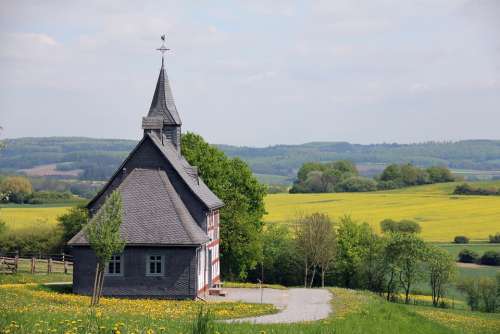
x=296 y=305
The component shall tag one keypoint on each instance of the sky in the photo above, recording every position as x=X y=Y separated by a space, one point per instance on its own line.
x=254 y=73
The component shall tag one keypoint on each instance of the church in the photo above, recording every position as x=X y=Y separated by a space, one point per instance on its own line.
x=171 y=218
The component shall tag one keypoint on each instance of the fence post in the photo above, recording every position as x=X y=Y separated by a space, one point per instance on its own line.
x=64 y=263
x=49 y=265
x=16 y=262
x=33 y=268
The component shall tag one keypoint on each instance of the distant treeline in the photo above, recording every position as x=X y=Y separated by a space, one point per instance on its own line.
x=98 y=158
x=467 y=189
x=287 y=159
x=342 y=176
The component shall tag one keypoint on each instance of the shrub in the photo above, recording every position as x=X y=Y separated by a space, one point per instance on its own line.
x=403 y=226
x=461 y=239
x=470 y=287
x=356 y=184
x=15 y=189
x=495 y=239
x=467 y=256
x=488 y=292
x=490 y=258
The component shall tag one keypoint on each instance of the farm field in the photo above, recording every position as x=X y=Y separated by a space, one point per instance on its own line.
x=441 y=214
x=479 y=248
x=20 y=218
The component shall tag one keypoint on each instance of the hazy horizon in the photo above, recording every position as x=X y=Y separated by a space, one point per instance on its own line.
x=255 y=74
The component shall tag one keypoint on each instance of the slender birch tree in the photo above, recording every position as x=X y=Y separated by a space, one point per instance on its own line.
x=103 y=234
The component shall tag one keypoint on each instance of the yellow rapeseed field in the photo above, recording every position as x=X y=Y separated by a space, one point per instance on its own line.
x=31 y=217
x=441 y=214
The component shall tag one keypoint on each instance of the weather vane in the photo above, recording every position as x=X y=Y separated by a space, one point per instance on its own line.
x=163 y=48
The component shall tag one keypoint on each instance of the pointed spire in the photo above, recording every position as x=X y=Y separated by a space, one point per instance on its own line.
x=163 y=104
x=163 y=100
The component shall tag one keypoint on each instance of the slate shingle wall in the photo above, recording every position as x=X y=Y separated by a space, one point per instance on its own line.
x=178 y=282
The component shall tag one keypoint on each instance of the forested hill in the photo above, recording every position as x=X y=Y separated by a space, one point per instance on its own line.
x=97 y=158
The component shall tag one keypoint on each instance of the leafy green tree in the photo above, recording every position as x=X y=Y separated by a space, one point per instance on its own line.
x=351 y=249
x=103 y=235
x=356 y=184
x=243 y=196
x=439 y=174
x=73 y=221
x=391 y=173
x=405 y=253
x=470 y=287
x=373 y=268
x=402 y=226
x=16 y=189
x=442 y=269
x=468 y=256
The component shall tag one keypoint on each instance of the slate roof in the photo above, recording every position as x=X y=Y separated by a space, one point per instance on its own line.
x=163 y=101
x=154 y=214
x=195 y=183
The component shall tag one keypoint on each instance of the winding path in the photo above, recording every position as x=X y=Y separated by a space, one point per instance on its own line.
x=296 y=304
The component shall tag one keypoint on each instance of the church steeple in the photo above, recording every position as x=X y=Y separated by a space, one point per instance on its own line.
x=163 y=119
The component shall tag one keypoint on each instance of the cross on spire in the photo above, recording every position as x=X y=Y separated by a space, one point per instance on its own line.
x=163 y=49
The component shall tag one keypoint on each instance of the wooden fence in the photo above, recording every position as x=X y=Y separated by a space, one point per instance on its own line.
x=40 y=264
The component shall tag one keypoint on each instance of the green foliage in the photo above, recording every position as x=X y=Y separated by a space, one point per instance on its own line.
x=470 y=287
x=405 y=255
x=279 y=258
x=32 y=242
x=461 y=239
x=490 y=258
x=495 y=239
x=406 y=175
x=441 y=268
x=241 y=217
x=468 y=256
x=438 y=174
x=73 y=221
x=403 y=226
x=15 y=189
x=351 y=241
x=103 y=231
x=356 y=184
x=467 y=189
x=481 y=293
x=314 y=177
x=203 y=323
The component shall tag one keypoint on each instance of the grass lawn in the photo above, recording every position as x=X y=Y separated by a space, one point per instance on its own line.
x=441 y=215
x=38 y=309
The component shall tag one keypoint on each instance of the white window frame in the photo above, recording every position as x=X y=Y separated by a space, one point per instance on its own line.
x=148 y=265
x=114 y=261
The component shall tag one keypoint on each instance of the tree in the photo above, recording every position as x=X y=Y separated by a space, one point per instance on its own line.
x=467 y=256
x=351 y=249
x=315 y=238
x=402 y=226
x=374 y=267
x=243 y=196
x=439 y=174
x=470 y=287
x=405 y=253
x=73 y=221
x=442 y=269
x=391 y=173
x=103 y=235
x=16 y=189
